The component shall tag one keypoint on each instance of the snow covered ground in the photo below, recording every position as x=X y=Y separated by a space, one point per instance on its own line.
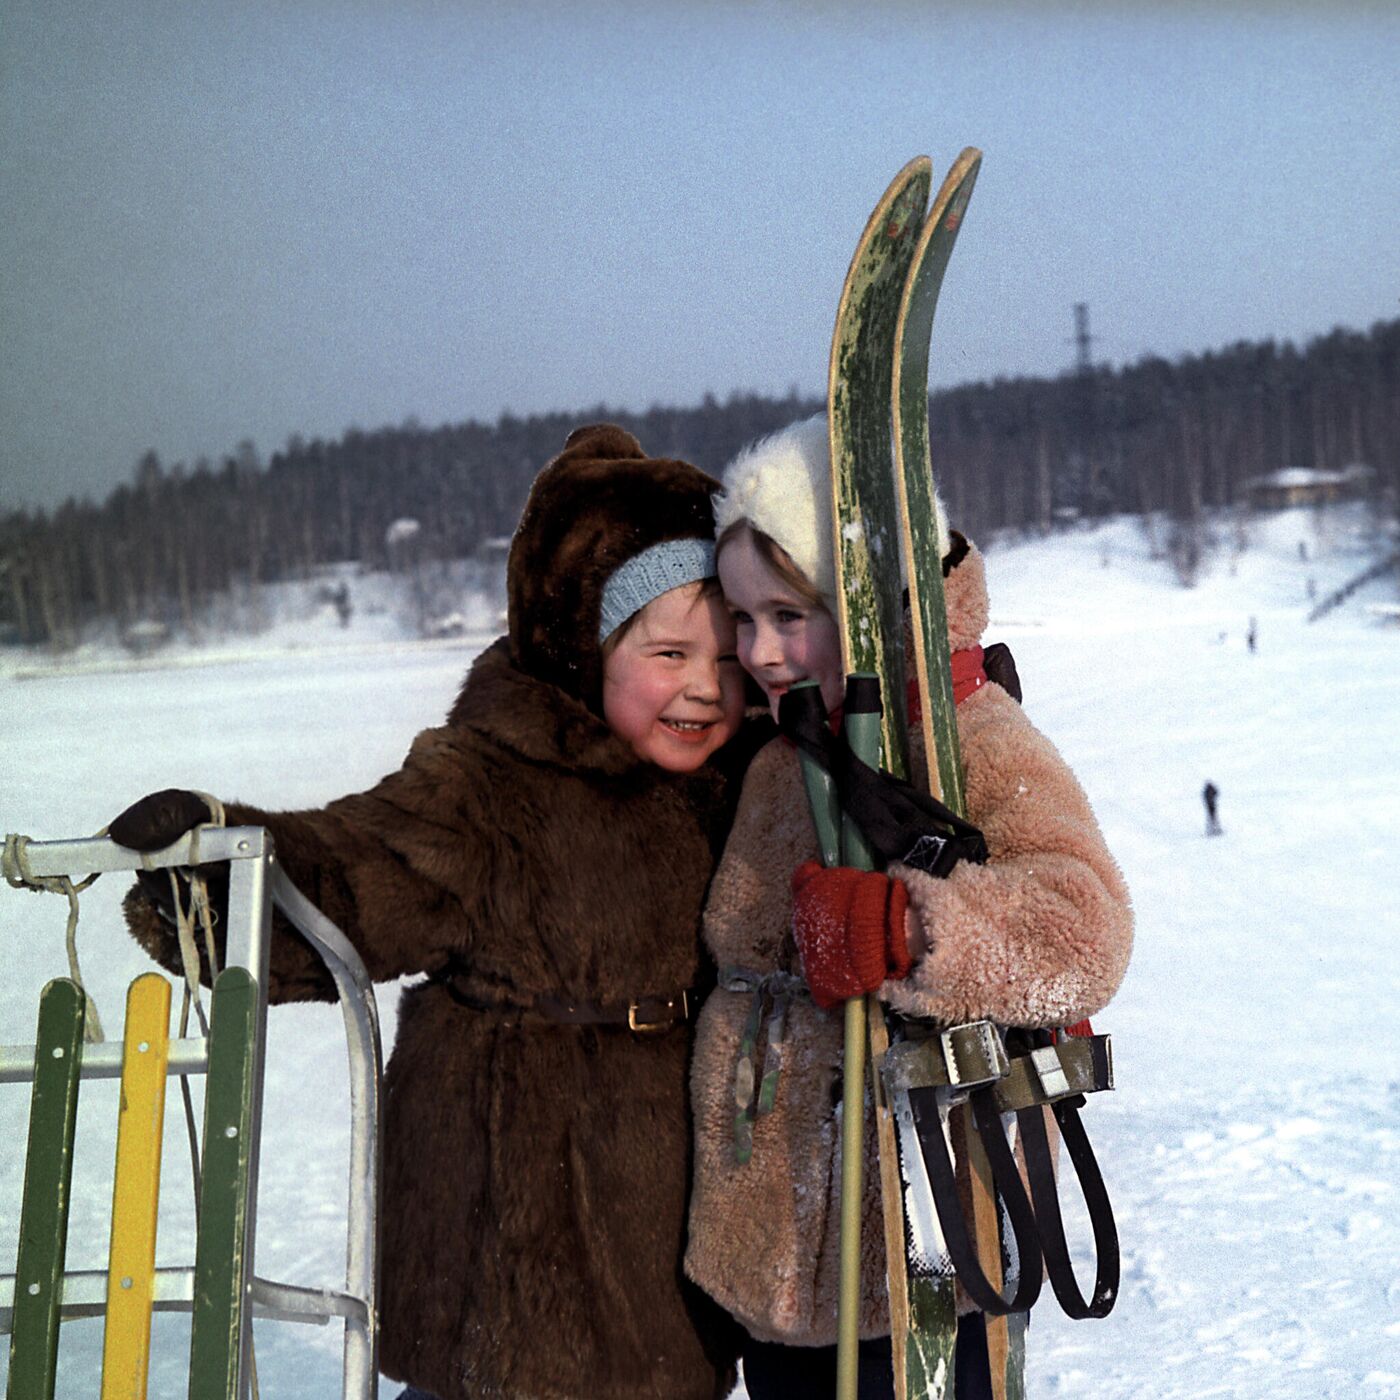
x=1253 y=1146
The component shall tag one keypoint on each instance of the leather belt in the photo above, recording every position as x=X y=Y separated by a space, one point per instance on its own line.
x=644 y=1015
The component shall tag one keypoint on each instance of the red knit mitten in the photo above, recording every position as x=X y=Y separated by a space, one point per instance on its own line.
x=849 y=927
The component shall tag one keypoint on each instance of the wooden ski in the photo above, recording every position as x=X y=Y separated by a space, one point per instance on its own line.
x=868 y=598
x=942 y=773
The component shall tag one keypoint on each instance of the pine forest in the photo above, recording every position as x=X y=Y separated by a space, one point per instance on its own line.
x=1172 y=441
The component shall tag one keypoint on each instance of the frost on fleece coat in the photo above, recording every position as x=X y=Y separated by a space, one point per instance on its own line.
x=1040 y=936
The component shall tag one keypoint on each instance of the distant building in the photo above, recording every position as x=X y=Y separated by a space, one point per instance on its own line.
x=1308 y=486
x=144 y=636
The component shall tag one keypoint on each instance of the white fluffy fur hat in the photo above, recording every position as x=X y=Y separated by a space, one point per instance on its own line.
x=782 y=486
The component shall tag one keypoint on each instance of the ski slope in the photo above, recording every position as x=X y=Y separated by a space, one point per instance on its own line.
x=1253 y=1146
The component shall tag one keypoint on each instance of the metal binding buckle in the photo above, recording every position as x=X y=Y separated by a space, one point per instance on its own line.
x=973 y=1054
x=1051 y=1073
x=955 y=1061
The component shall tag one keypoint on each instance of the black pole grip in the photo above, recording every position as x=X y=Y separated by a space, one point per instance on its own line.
x=863 y=694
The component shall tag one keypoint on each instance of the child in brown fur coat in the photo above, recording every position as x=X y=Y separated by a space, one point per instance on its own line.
x=542 y=856
x=1038 y=936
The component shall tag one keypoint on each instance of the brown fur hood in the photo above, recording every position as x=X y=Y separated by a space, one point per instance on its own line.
x=1038 y=936
x=599 y=503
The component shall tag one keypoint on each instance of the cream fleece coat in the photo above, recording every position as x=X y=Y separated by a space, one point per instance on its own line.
x=1039 y=936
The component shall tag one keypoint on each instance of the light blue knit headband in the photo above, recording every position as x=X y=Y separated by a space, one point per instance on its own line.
x=648 y=575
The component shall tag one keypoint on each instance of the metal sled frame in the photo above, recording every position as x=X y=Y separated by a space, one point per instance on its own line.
x=256 y=884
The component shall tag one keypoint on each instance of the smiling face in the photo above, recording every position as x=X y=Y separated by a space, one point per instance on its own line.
x=672 y=686
x=783 y=636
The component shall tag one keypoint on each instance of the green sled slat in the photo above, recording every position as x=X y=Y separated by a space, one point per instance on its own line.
x=48 y=1175
x=216 y=1340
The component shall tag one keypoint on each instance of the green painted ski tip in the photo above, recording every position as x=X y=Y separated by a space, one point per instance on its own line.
x=915 y=474
x=864 y=516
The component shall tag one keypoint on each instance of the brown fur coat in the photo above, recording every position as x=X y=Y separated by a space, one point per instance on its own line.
x=1038 y=936
x=535 y=1176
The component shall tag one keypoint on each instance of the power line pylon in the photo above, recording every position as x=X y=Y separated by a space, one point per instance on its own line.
x=1082 y=339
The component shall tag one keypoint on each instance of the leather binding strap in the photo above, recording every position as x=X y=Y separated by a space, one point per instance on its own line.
x=1076 y=1065
x=1050 y=1223
x=1046 y=1072
x=928 y=1121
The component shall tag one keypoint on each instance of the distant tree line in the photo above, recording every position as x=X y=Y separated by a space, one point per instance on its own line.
x=1175 y=437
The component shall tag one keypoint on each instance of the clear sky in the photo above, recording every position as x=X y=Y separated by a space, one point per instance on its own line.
x=264 y=217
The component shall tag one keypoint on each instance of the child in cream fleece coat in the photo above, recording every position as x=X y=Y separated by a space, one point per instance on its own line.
x=1038 y=936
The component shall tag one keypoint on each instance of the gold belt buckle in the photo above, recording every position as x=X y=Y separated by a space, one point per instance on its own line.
x=656 y=1027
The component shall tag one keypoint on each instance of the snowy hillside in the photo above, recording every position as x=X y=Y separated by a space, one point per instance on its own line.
x=444 y=604
x=1253 y=1146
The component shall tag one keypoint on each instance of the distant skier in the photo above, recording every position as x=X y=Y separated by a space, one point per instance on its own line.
x=1210 y=794
x=1252 y=636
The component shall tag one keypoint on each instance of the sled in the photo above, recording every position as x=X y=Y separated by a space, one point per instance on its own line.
x=221 y=1288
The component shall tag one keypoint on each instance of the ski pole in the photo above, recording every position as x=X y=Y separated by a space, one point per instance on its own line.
x=861 y=726
x=820 y=785
x=839 y=838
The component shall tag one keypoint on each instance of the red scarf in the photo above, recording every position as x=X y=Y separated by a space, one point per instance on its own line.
x=968 y=679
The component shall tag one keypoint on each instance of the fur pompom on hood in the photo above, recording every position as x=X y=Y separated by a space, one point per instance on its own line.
x=782 y=486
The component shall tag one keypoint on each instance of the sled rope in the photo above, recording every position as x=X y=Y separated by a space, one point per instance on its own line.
x=185 y=917
x=19 y=876
x=189 y=959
